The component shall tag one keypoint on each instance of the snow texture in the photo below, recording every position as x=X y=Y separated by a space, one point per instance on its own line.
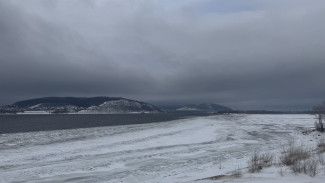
x=119 y=106
x=177 y=151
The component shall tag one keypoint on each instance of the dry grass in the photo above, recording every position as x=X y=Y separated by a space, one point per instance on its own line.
x=236 y=173
x=308 y=167
x=266 y=159
x=292 y=154
x=298 y=158
x=302 y=160
x=321 y=145
x=253 y=163
x=321 y=159
x=258 y=161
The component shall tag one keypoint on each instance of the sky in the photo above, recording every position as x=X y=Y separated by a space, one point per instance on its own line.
x=245 y=54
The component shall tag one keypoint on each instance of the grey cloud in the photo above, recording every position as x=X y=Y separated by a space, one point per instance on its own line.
x=256 y=55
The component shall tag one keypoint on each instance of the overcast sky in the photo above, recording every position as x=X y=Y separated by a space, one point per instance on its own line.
x=246 y=54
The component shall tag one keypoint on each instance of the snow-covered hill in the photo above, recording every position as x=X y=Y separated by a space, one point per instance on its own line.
x=120 y=106
x=204 y=107
x=80 y=105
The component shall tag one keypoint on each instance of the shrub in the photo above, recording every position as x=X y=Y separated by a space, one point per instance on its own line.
x=266 y=159
x=318 y=127
x=308 y=167
x=321 y=145
x=258 y=161
x=292 y=154
x=253 y=163
x=319 y=112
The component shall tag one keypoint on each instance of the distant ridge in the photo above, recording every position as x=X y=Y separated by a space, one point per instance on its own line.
x=198 y=107
x=76 y=101
x=80 y=105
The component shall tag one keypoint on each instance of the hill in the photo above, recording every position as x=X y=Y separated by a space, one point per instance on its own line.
x=197 y=108
x=80 y=105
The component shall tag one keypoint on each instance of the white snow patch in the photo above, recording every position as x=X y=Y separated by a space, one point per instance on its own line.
x=116 y=106
x=187 y=109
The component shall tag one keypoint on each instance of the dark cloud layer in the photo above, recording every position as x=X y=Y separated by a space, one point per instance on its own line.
x=248 y=55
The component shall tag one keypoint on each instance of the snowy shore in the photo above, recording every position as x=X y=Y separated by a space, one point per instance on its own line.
x=187 y=150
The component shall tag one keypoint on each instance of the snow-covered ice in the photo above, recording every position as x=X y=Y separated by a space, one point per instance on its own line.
x=176 y=151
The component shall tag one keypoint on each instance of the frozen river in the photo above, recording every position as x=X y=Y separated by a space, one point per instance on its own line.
x=175 y=151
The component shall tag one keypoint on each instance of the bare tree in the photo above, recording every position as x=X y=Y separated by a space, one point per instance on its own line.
x=319 y=112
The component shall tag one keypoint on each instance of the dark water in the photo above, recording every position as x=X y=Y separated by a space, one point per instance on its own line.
x=28 y=123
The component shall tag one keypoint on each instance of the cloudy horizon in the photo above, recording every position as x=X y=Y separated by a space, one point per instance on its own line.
x=249 y=54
